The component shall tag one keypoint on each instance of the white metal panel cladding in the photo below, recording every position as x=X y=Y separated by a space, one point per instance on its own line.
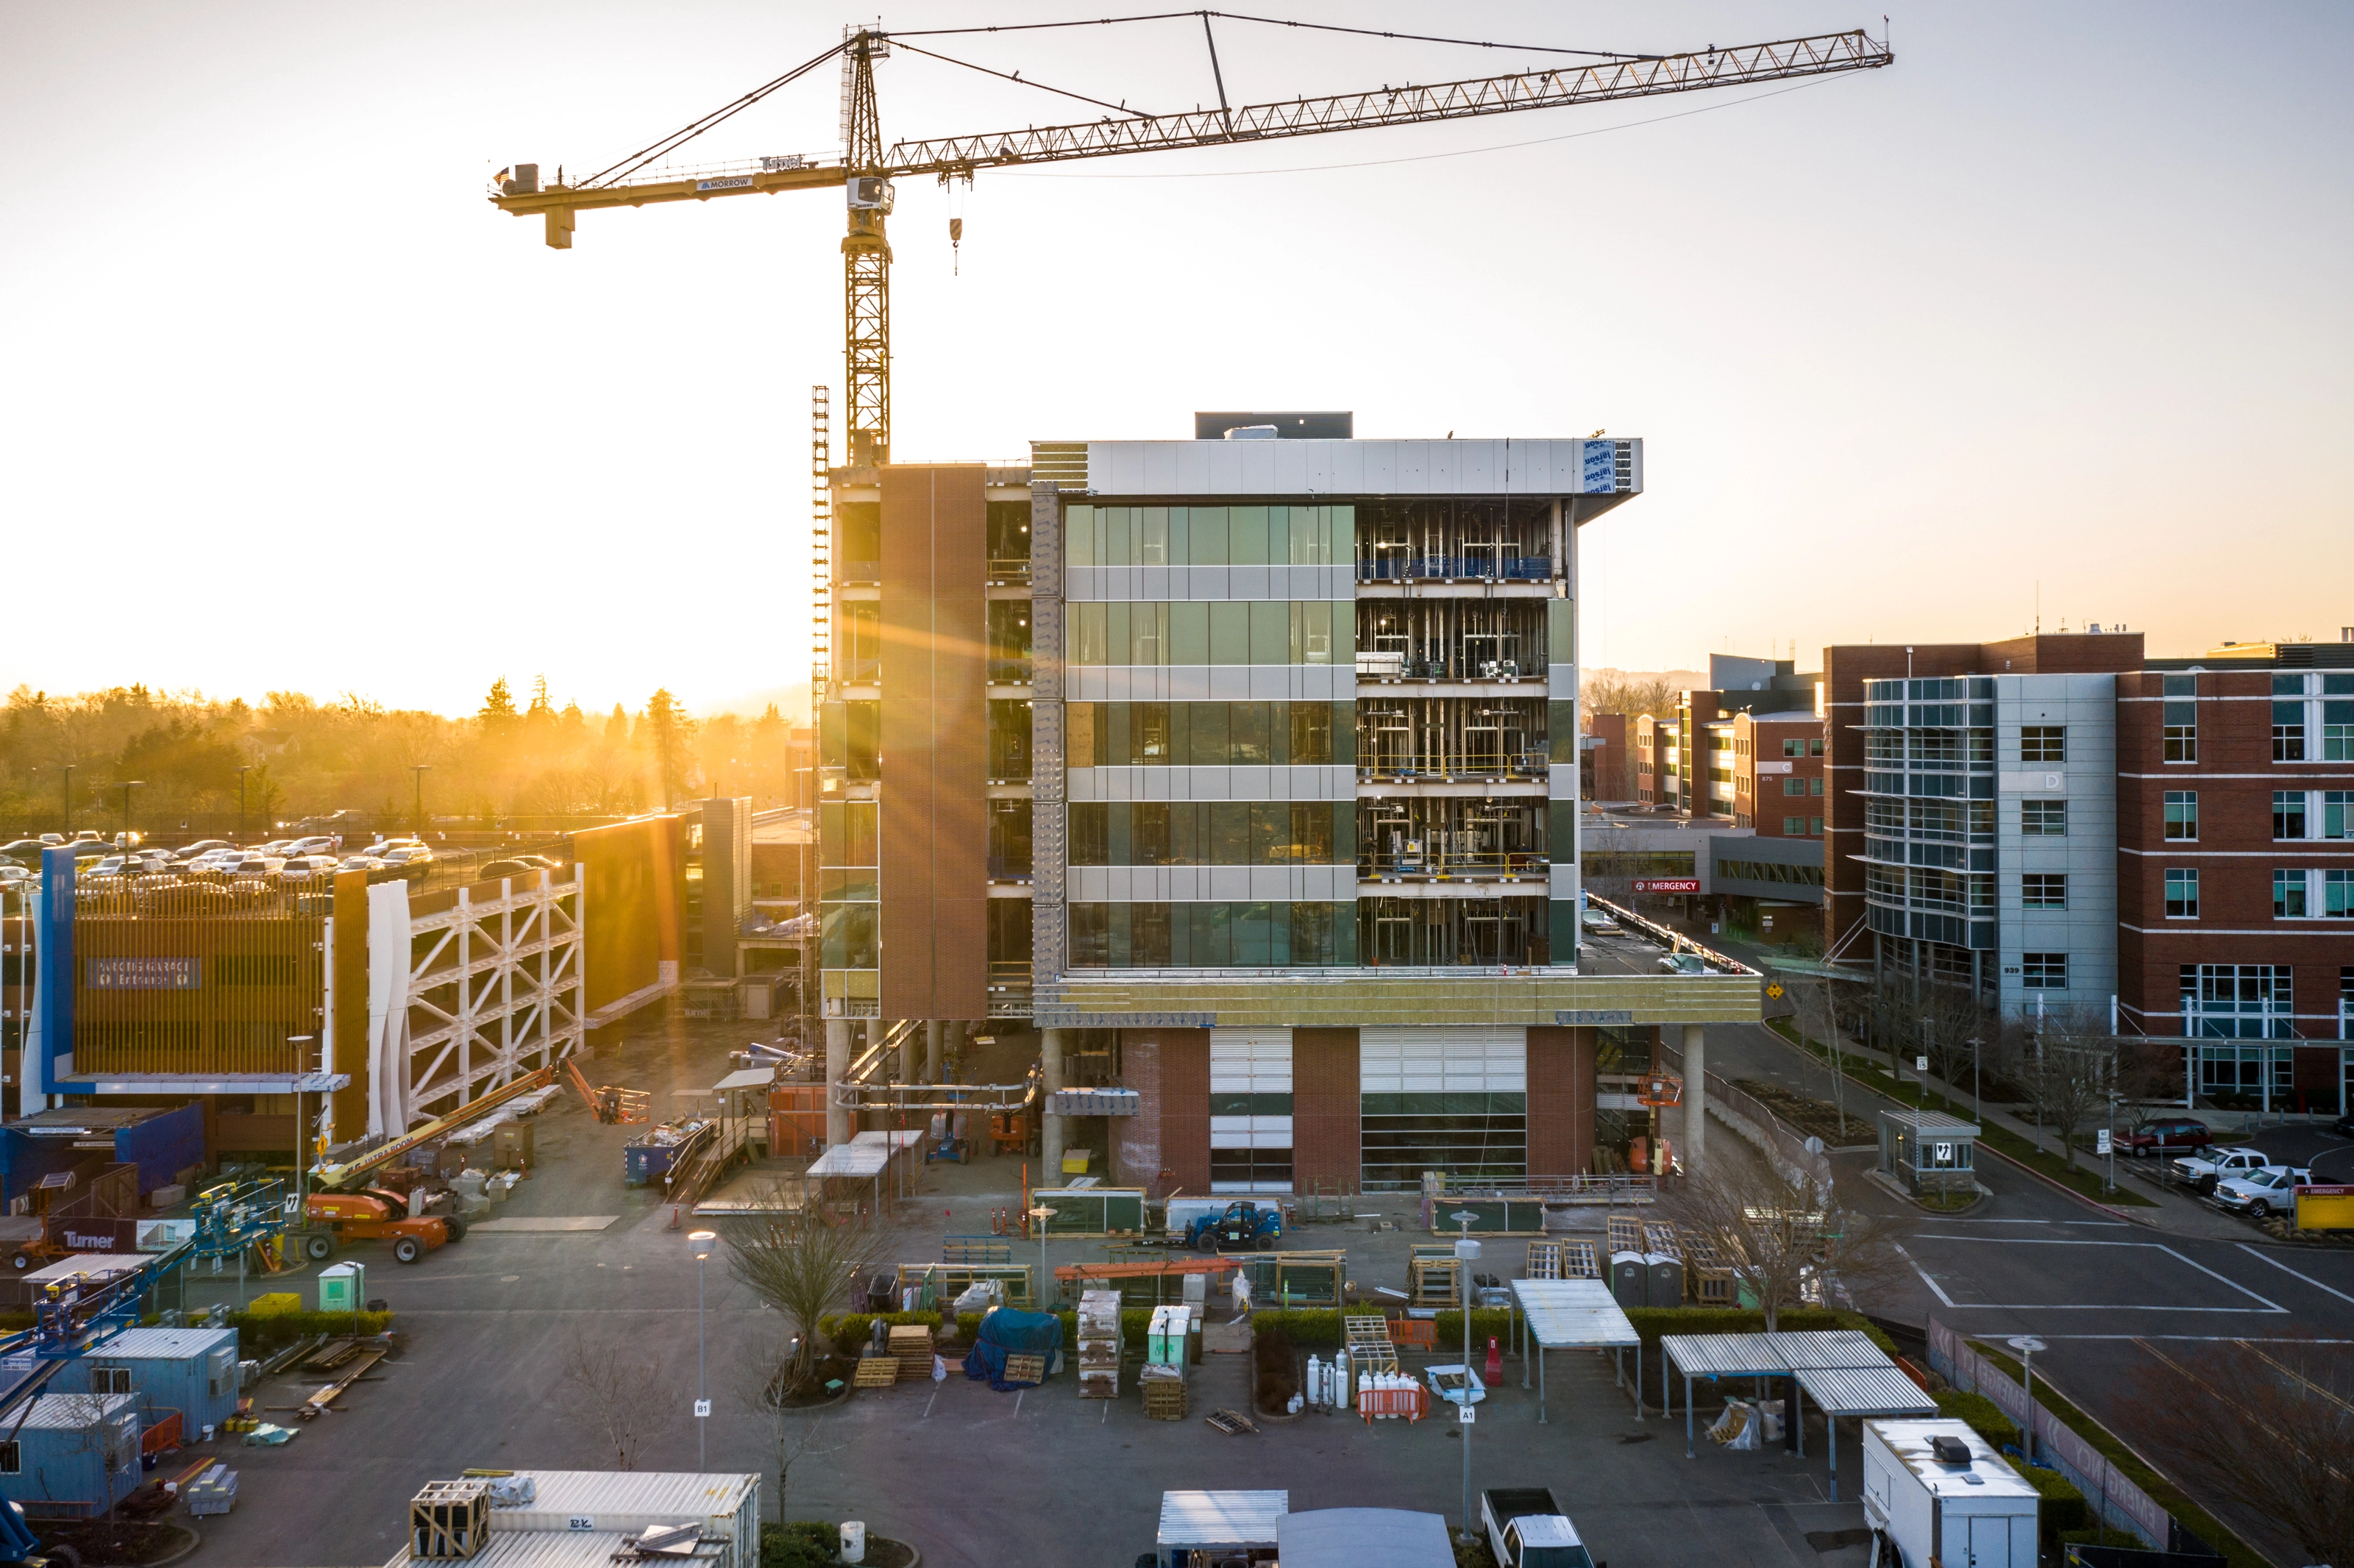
x=1449 y=1059
x=1250 y=1132
x=1250 y=1061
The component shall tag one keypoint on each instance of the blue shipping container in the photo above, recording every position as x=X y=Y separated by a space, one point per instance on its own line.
x=192 y=1370
x=71 y=1454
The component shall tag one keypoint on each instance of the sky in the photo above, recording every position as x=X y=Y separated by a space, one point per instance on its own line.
x=2050 y=317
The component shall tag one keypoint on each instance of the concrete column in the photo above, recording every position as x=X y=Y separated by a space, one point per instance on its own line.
x=1050 y=1127
x=906 y=1071
x=1695 y=1097
x=837 y=1064
x=936 y=1049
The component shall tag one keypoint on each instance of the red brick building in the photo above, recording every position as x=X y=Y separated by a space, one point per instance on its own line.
x=2235 y=878
x=1777 y=774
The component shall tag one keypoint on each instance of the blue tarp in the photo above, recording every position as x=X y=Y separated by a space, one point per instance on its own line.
x=1006 y=1332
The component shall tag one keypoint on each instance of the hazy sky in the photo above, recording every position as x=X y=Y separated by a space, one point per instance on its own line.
x=2060 y=298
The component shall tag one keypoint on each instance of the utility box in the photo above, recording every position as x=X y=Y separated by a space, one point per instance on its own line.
x=1941 y=1494
x=343 y=1288
x=513 y=1147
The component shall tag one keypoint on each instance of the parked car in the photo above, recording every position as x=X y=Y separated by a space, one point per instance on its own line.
x=255 y=866
x=2156 y=1137
x=1596 y=921
x=125 y=864
x=23 y=851
x=363 y=863
x=317 y=844
x=214 y=860
x=2203 y=1171
x=412 y=862
x=11 y=873
x=202 y=846
x=2344 y=1125
x=493 y=871
x=309 y=867
x=1526 y=1529
x=2262 y=1192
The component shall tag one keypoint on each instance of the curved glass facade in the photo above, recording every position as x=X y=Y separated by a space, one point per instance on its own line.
x=1929 y=811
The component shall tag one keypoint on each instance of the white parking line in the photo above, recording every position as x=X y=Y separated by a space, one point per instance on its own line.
x=2284 y=1268
x=1934 y=1287
x=2268 y=1305
x=2119 y=1224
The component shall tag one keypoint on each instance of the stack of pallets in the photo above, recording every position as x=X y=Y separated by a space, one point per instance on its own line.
x=1562 y=1260
x=1710 y=1273
x=1164 y=1393
x=1098 y=1344
x=1623 y=1232
x=911 y=1348
x=1370 y=1348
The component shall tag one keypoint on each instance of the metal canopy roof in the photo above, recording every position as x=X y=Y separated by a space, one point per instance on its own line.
x=1827 y=1348
x=1865 y=1391
x=850 y=1159
x=1221 y=1519
x=1777 y=1355
x=1363 y=1538
x=1573 y=1314
x=1931 y=1123
x=1725 y=1355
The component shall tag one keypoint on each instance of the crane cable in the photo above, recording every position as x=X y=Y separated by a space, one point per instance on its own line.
x=1272 y=22
x=693 y=128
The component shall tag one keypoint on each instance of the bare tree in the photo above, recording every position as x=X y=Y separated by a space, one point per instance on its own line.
x=618 y=1386
x=1814 y=1015
x=112 y=1436
x=2150 y=1075
x=799 y=1264
x=2066 y=1063
x=772 y=1377
x=2264 y=1430
x=1787 y=1242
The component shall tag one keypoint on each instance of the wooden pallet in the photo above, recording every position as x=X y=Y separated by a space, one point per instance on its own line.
x=1710 y=1275
x=1026 y=1368
x=1661 y=1236
x=1164 y=1399
x=875 y=1372
x=1233 y=1423
x=1623 y=1232
x=1370 y=1348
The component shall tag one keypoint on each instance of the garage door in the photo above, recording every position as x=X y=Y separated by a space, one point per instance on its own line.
x=1250 y=1110
x=1446 y=1099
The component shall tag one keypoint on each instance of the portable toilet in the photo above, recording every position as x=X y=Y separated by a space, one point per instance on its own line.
x=343 y=1288
x=1666 y=1278
x=184 y=1374
x=1630 y=1279
x=1942 y=1494
x=71 y=1454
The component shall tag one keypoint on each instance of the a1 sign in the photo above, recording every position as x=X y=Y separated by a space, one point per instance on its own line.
x=1465 y=1414
x=2101 y=1141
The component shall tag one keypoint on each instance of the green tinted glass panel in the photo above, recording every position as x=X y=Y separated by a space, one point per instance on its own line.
x=1079 y=536
x=1230 y=632
x=1270 y=632
x=1561 y=632
x=1561 y=733
x=1189 y=634
x=1248 y=535
x=1152 y=535
x=1208 y=544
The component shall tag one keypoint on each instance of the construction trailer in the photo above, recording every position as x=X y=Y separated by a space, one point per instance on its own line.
x=161 y=1141
x=71 y=1455
x=182 y=1379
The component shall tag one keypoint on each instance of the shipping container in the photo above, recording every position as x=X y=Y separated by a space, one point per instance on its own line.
x=71 y=1455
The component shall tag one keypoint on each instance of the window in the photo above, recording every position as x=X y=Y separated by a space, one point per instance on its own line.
x=2337 y=728
x=2337 y=894
x=110 y=1380
x=2043 y=971
x=1794 y=827
x=2044 y=743
x=1794 y=785
x=2043 y=890
x=2183 y=894
x=2288 y=732
x=2288 y=814
x=2288 y=895
x=1813 y=749
x=2043 y=819
x=2224 y=1001
x=2338 y=813
x=1793 y=749
x=2181 y=730
x=1814 y=785
x=2182 y=813
x=1814 y=826
x=11 y=1458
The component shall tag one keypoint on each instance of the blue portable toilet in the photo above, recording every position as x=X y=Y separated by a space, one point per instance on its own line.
x=191 y=1370
x=71 y=1454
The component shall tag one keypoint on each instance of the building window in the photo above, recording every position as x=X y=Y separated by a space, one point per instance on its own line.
x=110 y=1380
x=1794 y=785
x=2043 y=819
x=2337 y=894
x=1793 y=749
x=11 y=1458
x=2288 y=814
x=1814 y=785
x=1794 y=827
x=2183 y=894
x=2182 y=813
x=2044 y=743
x=1815 y=826
x=2043 y=971
x=2288 y=895
x=2043 y=890
x=2182 y=721
x=2337 y=726
x=2288 y=732
x=1813 y=749
x=2245 y=1001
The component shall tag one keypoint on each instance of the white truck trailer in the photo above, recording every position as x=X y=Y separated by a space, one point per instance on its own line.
x=1935 y=1492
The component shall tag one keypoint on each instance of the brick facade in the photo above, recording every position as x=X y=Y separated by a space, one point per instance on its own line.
x=1763 y=769
x=1560 y=1100
x=1324 y=1100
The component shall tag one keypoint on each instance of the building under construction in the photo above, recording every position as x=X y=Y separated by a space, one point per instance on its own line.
x=1246 y=767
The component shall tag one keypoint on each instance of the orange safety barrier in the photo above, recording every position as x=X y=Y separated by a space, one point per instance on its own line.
x=1413 y=1402
x=161 y=1434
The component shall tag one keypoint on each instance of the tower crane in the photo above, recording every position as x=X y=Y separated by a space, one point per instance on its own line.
x=866 y=168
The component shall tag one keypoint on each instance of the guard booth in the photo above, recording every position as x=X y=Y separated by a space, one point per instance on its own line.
x=1931 y=1153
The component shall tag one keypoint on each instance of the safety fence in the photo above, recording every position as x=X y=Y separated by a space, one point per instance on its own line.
x=2108 y=1490
x=1760 y=1127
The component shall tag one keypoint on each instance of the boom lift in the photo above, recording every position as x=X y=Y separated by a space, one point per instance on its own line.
x=866 y=168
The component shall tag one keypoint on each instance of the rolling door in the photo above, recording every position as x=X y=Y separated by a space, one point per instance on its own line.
x=1450 y=1100
x=1250 y=1110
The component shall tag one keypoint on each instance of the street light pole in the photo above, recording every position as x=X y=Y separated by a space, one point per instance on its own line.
x=701 y=1241
x=1977 y=1101
x=417 y=771
x=1042 y=1214
x=1467 y=1252
x=128 y=786
x=66 y=802
x=240 y=801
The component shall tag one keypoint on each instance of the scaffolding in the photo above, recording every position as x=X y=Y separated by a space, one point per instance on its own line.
x=1435 y=837
x=1450 y=931
x=1457 y=541
x=1452 y=638
x=1417 y=738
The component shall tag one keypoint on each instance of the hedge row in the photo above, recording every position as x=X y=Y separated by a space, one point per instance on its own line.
x=269 y=1330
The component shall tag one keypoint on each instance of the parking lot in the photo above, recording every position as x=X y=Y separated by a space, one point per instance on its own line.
x=969 y=1475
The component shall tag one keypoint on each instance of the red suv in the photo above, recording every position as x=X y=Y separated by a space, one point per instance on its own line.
x=2159 y=1138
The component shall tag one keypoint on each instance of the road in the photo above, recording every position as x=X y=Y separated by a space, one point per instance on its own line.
x=2105 y=1294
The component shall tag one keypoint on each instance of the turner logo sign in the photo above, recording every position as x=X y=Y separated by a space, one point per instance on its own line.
x=141 y=974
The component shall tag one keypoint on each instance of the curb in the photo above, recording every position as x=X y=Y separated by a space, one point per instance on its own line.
x=2059 y=1186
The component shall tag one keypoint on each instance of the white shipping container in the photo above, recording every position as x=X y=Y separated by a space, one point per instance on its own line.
x=1964 y=1506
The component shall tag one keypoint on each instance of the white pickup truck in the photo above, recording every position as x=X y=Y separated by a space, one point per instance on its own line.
x=1526 y=1529
x=2209 y=1166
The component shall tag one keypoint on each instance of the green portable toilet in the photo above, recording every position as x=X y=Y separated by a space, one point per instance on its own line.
x=343 y=1288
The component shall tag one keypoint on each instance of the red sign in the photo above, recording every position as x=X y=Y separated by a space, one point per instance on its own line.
x=1668 y=885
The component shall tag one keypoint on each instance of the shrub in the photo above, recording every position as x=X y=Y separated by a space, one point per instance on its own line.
x=274 y=1330
x=1278 y=1366
x=2063 y=1507
x=1985 y=1416
x=803 y=1543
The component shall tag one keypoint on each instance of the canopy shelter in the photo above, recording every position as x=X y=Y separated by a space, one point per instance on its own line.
x=906 y=1147
x=844 y=1167
x=1363 y=1538
x=1840 y=1369
x=1220 y=1523
x=1574 y=1315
